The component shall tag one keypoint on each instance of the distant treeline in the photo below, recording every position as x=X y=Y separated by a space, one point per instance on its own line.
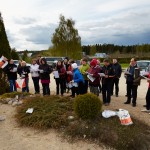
x=111 y=48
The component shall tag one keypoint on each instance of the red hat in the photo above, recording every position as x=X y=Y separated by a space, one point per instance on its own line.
x=93 y=62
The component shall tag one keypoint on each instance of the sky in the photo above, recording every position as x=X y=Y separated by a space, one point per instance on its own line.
x=30 y=24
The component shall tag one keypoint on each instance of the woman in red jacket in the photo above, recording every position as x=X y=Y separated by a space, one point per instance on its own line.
x=60 y=79
x=94 y=77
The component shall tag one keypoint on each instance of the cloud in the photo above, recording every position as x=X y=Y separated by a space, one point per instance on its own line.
x=24 y=21
x=39 y=34
x=113 y=21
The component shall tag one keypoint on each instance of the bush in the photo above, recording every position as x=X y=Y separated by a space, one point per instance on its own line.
x=49 y=112
x=4 y=85
x=87 y=106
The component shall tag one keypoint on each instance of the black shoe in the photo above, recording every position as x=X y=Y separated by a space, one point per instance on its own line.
x=116 y=95
x=134 y=105
x=144 y=105
x=126 y=102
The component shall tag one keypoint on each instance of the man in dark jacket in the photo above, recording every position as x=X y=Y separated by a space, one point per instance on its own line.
x=117 y=70
x=11 y=71
x=133 y=81
x=107 y=81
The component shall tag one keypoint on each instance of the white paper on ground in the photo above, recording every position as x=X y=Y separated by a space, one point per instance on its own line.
x=30 y=110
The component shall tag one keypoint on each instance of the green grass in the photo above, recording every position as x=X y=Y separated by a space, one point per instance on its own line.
x=53 y=112
x=13 y=94
x=124 y=65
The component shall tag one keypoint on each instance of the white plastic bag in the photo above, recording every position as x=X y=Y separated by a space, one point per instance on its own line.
x=108 y=113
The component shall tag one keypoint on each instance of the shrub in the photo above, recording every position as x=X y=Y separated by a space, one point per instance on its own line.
x=4 y=85
x=49 y=112
x=87 y=106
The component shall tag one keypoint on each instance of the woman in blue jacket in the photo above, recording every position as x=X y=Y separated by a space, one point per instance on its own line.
x=77 y=81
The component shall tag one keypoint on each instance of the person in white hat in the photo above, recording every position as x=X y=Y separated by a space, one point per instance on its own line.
x=77 y=81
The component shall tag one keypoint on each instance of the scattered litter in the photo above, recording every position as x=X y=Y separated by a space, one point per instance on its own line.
x=2 y=118
x=70 y=117
x=108 y=113
x=30 y=110
x=123 y=115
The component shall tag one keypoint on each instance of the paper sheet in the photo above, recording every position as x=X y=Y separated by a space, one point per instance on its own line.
x=101 y=74
x=56 y=74
x=30 y=110
x=91 y=78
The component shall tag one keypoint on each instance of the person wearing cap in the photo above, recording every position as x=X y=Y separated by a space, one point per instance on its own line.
x=94 y=78
x=107 y=80
x=83 y=69
x=77 y=81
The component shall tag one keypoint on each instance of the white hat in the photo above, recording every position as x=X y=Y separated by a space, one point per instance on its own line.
x=74 y=66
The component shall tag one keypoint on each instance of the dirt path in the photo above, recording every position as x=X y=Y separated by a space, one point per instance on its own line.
x=13 y=137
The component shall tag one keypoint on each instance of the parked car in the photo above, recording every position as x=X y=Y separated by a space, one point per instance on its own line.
x=144 y=65
x=53 y=60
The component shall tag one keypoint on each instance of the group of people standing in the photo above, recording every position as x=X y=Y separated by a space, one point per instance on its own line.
x=39 y=71
x=77 y=79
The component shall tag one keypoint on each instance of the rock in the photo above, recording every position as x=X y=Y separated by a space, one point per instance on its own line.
x=15 y=103
x=70 y=117
x=8 y=99
x=19 y=102
x=10 y=102
x=2 y=118
x=3 y=101
x=17 y=97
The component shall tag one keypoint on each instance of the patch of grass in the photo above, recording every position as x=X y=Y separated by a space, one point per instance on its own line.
x=13 y=94
x=124 y=65
x=53 y=112
x=49 y=112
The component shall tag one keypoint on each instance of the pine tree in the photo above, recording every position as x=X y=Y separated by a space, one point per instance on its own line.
x=4 y=43
x=5 y=51
x=14 y=54
x=66 y=41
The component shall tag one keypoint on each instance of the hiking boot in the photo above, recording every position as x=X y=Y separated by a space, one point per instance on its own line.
x=126 y=102
x=134 y=105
